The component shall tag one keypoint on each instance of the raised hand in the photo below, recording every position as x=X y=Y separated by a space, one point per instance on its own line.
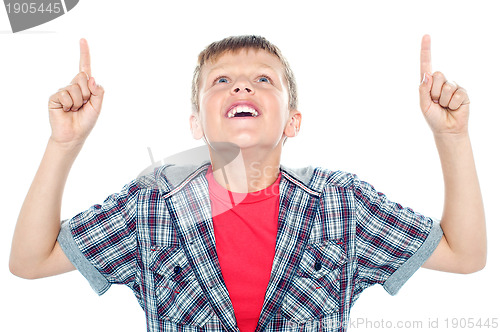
x=74 y=109
x=445 y=104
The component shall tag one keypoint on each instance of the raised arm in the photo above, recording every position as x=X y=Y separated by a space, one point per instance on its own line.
x=445 y=106
x=73 y=112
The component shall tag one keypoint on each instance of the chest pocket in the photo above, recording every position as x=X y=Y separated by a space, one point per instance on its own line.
x=179 y=297
x=316 y=286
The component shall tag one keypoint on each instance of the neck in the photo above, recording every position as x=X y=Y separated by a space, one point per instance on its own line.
x=250 y=171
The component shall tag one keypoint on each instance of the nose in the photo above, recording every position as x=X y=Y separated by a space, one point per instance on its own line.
x=242 y=86
x=237 y=89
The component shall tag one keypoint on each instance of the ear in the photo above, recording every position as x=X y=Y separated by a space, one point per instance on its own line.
x=196 y=129
x=293 y=125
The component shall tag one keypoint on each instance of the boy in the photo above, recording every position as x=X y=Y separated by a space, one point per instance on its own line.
x=242 y=242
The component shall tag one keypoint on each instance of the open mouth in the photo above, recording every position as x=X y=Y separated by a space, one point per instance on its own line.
x=242 y=111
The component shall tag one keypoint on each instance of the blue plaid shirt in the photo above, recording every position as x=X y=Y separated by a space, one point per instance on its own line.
x=336 y=236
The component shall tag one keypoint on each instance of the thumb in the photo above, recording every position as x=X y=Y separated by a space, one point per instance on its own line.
x=97 y=94
x=425 y=92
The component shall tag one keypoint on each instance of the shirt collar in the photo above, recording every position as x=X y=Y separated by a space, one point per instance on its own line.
x=172 y=178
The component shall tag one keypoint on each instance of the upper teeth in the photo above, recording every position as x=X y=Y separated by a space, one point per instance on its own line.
x=240 y=109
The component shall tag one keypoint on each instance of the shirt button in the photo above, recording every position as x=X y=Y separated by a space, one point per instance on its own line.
x=177 y=269
x=317 y=266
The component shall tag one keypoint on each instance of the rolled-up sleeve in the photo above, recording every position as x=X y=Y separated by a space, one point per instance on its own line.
x=392 y=241
x=101 y=242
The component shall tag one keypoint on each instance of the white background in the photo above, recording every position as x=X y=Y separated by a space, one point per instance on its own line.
x=357 y=67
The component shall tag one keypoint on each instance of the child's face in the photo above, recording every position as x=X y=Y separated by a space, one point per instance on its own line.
x=251 y=82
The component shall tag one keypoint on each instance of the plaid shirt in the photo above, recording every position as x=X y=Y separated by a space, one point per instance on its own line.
x=336 y=236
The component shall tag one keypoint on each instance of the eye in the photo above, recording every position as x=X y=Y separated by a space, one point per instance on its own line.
x=265 y=79
x=221 y=79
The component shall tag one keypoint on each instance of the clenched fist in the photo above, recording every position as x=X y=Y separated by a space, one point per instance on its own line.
x=74 y=109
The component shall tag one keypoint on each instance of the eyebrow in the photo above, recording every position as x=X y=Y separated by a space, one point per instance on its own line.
x=223 y=67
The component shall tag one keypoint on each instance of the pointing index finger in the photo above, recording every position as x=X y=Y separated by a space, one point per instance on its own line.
x=425 y=56
x=85 y=57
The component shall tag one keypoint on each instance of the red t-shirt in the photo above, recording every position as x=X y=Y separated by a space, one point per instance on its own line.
x=245 y=226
